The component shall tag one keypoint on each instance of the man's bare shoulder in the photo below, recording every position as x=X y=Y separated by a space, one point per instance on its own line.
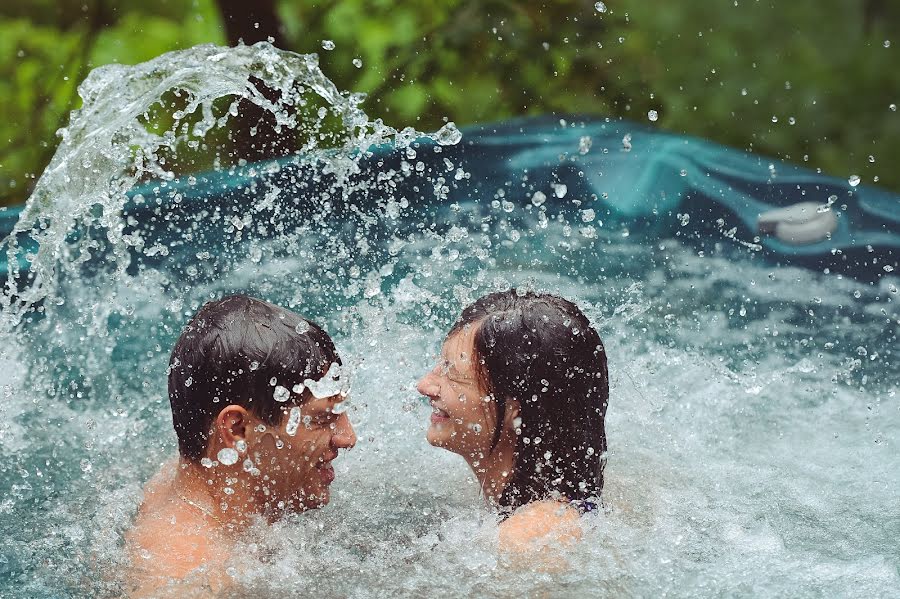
x=170 y=540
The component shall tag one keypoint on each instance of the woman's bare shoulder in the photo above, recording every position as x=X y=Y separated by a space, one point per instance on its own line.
x=539 y=522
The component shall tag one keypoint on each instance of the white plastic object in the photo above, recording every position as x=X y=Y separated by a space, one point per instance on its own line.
x=800 y=224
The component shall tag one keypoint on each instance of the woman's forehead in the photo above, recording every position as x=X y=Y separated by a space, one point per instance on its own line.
x=459 y=345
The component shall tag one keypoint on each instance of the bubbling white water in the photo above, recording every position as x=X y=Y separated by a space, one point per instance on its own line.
x=752 y=444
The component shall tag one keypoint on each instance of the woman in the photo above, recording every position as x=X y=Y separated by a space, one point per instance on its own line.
x=520 y=392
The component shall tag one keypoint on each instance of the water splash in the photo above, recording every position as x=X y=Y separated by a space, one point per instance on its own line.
x=76 y=209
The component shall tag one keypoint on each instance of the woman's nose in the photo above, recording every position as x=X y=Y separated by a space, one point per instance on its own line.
x=427 y=386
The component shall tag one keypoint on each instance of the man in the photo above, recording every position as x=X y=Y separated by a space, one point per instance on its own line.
x=255 y=392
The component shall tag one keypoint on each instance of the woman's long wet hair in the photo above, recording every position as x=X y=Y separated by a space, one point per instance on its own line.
x=541 y=350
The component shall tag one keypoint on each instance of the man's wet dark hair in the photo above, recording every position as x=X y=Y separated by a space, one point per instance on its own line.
x=541 y=350
x=235 y=351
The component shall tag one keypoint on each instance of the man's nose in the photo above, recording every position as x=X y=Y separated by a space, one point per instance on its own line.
x=427 y=386
x=344 y=436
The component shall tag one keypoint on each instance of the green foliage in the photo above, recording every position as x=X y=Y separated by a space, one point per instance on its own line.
x=810 y=84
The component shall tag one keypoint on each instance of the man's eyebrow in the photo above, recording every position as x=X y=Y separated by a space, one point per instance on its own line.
x=327 y=404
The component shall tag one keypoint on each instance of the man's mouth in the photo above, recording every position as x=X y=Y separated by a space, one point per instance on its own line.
x=438 y=415
x=326 y=471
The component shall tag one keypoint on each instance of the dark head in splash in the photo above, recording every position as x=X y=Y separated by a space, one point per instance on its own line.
x=521 y=391
x=238 y=376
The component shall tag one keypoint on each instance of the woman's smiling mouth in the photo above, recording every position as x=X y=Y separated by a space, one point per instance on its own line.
x=438 y=415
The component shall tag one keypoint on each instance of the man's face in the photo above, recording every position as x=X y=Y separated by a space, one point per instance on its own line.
x=463 y=417
x=293 y=459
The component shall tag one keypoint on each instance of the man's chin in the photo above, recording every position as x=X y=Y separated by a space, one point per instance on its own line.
x=322 y=499
x=310 y=501
x=319 y=498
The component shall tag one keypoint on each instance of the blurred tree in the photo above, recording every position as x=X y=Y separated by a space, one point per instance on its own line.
x=254 y=132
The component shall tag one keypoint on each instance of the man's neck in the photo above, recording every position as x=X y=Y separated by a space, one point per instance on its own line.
x=204 y=490
x=495 y=469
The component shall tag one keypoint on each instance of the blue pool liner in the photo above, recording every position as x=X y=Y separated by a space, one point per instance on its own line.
x=633 y=176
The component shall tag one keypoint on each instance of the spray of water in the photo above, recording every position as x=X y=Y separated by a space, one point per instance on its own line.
x=108 y=148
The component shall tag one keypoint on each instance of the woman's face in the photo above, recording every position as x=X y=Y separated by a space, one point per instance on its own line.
x=463 y=417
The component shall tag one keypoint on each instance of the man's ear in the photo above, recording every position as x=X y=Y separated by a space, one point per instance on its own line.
x=231 y=424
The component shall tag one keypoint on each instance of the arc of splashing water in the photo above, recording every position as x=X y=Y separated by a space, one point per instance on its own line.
x=95 y=166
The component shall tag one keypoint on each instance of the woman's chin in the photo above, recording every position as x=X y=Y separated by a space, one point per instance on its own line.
x=437 y=435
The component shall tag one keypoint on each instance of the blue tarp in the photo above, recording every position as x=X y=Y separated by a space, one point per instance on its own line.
x=633 y=176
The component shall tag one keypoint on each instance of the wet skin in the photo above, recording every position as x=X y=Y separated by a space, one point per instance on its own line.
x=191 y=514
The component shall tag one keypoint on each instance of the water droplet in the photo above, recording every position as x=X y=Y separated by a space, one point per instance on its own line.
x=293 y=421
x=887 y=43
x=206 y=463
x=240 y=445
x=584 y=145
x=281 y=393
x=357 y=63
x=227 y=456
x=302 y=327
x=893 y=107
x=652 y=115
x=559 y=189
x=871 y=158
x=853 y=180
x=448 y=135
x=538 y=198
x=683 y=173
x=328 y=44
x=626 y=142
x=600 y=7
x=189 y=381
x=774 y=119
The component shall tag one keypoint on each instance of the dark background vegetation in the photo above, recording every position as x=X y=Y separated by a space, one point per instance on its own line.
x=809 y=82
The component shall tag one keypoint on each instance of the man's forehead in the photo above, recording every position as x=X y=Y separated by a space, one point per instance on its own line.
x=324 y=403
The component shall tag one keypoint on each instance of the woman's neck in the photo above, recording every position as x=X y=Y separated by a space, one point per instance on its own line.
x=495 y=469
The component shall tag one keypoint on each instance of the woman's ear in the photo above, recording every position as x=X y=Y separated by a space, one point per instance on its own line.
x=513 y=412
x=231 y=425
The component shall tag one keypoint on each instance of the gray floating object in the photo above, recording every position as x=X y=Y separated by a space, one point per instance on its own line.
x=800 y=224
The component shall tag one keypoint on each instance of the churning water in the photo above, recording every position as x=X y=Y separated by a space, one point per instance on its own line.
x=753 y=422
